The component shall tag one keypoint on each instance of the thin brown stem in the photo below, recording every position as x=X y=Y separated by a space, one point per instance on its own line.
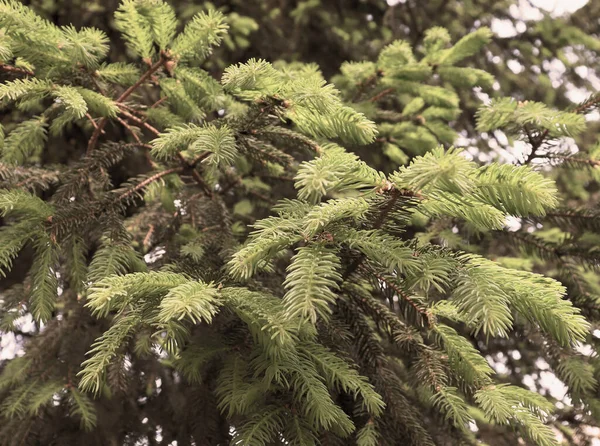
x=128 y=127
x=139 y=142
x=138 y=121
x=199 y=158
x=399 y=291
x=160 y=101
x=368 y=82
x=153 y=68
x=591 y=102
x=535 y=144
x=130 y=109
x=196 y=176
x=148 y=181
x=231 y=185
x=15 y=70
x=592 y=163
x=382 y=94
x=210 y=228
x=376 y=225
x=275 y=177
x=87 y=115
x=534 y=241
x=94 y=138
x=395 y=194
x=148 y=236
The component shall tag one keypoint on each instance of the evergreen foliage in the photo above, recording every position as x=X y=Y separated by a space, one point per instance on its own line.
x=248 y=253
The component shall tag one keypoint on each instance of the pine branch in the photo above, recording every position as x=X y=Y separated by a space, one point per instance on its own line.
x=588 y=104
x=575 y=219
x=16 y=70
x=146 y=75
x=535 y=143
x=382 y=94
x=137 y=120
x=394 y=195
x=148 y=181
x=572 y=160
x=401 y=293
x=367 y=83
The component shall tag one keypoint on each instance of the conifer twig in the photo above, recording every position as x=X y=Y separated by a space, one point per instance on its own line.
x=155 y=67
x=199 y=158
x=535 y=144
x=534 y=242
x=585 y=105
x=160 y=101
x=590 y=162
x=138 y=121
x=371 y=80
x=396 y=193
x=149 y=72
x=148 y=236
x=181 y=158
x=91 y=119
x=128 y=127
x=382 y=94
x=16 y=70
x=196 y=176
x=399 y=291
x=148 y=181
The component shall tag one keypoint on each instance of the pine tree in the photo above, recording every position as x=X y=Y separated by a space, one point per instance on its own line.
x=211 y=260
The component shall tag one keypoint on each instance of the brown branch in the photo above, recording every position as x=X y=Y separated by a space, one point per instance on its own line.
x=534 y=241
x=382 y=94
x=590 y=102
x=128 y=127
x=231 y=185
x=200 y=158
x=130 y=109
x=138 y=120
x=148 y=236
x=87 y=115
x=535 y=144
x=94 y=138
x=187 y=165
x=155 y=67
x=386 y=209
x=148 y=181
x=371 y=80
x=275 y=177
x=399 y=291
x=160 y=101
x=202 y=183
x=139 y=142
x=593 y=163
x=16 y=70
x=123 y=110
x=567 y=215
x=378 y=223
x=210 y=228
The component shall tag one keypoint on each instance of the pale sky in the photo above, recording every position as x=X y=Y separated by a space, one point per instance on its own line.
x=556 y=7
